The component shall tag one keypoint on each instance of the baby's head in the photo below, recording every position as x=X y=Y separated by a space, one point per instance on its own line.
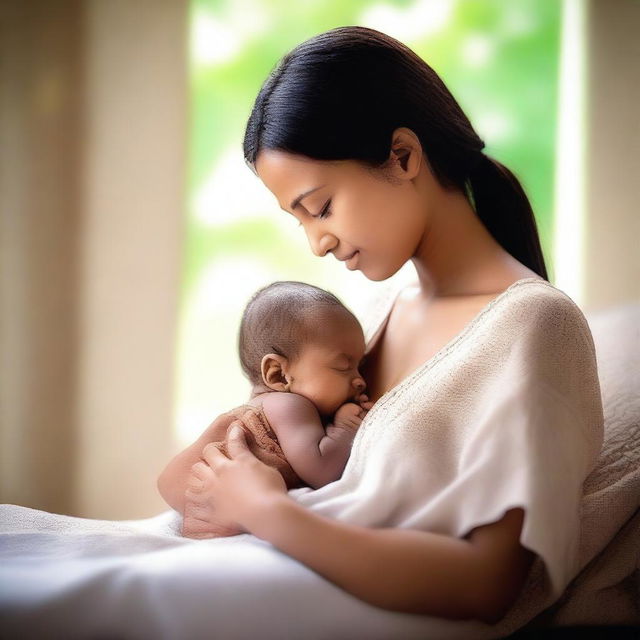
x=299 y=338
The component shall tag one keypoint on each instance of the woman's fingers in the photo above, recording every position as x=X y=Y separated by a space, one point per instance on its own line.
x=194 y=485
x=237 y=441
x=213 y=456
x=236 y=446
x=198 y=477
x=198 y=470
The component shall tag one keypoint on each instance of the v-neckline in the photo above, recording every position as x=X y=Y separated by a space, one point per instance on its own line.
x=440 y=353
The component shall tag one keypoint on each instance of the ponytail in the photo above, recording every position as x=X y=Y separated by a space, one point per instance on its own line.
x=504 y=209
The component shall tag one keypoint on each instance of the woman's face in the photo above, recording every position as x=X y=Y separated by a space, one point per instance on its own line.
x=372 y=224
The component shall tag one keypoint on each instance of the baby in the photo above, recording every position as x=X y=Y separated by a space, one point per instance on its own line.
x=301 y=348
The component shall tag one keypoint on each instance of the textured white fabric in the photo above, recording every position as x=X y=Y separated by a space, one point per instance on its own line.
x=507 y=414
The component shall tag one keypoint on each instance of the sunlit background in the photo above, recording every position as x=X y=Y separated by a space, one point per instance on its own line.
x=500 y=60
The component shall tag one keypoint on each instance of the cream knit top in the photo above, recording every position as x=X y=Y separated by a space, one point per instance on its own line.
x=507 y=414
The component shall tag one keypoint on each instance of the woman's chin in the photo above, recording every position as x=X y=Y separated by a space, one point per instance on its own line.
x=377 y=275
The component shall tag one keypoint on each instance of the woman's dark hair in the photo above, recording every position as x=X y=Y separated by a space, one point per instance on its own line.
x=281 y=318
x=341 y=94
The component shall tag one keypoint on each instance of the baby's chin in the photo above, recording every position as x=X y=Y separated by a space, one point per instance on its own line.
x=337 y=406
x=326 y=411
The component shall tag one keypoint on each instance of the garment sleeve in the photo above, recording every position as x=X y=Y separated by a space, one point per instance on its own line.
x=536 y=438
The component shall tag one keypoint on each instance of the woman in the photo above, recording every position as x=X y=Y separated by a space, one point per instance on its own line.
x=362 y=143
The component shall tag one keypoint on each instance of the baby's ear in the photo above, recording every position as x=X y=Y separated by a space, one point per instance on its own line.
x=273 y=369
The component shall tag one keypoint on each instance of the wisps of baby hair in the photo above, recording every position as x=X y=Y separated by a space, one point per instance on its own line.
x=340 y=95
x=280 y=318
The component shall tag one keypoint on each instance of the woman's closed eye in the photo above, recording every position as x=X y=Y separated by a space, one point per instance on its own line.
x=326 y=210
x=324 y=213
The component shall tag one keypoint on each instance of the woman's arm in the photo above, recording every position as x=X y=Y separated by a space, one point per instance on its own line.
x=407 y=570
x=398 y=569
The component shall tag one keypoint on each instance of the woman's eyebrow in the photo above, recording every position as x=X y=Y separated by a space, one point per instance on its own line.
x=296 y=201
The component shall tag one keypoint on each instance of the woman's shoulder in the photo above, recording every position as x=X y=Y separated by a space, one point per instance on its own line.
x=542 y=331
x=538 y=303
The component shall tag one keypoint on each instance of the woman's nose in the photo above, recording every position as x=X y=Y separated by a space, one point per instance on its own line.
x=321 y=242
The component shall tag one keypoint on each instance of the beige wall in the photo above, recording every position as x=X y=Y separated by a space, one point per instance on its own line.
x=92 y=195
x=612 y=180
x=40 y=152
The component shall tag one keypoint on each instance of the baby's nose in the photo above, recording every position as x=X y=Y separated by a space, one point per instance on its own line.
x=359 y=384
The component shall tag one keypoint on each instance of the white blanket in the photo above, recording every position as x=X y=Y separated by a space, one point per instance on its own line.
x=138 y=579
x=64 y=577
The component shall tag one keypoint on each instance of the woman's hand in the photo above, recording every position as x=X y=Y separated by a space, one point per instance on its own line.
x=238 y=488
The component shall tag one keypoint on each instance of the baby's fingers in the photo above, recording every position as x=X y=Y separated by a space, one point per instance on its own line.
x=364 y=402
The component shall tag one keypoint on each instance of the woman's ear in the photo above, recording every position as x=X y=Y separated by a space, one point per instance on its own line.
x=406 y=154
x=403 y=156
x=274 y=372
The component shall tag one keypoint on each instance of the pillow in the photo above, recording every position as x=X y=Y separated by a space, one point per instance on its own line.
x=607 y=589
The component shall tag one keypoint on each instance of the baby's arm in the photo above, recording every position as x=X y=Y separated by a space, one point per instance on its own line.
x=316 y=455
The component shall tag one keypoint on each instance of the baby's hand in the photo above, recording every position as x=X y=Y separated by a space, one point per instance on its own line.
x=349 y=416
x=363 y=401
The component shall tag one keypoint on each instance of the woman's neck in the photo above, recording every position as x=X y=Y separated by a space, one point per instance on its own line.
x=458 y=256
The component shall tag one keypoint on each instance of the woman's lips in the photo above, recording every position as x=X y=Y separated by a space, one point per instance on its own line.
x=352 y=261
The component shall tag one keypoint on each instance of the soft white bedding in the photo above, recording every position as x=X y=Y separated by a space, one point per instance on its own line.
x=64 y=577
